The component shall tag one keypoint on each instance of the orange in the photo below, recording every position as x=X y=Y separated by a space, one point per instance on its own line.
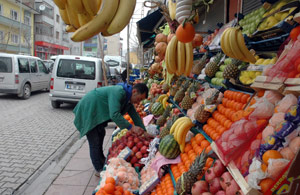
x=244 y=98
x=226 y=93
x=253 y=101
x=119 y=188
x=117 y=193
x=109 y=188
x=264 y=167
x=205 y=127
x=239 y=96
x=185 y=33
x=188 y=147
x=227 y=124
x=224 y=101
x=260 y=93
x=265 y=184
x=199 y=150
x=110 y=180
x=199 y=137
x=214 y=136
x=205 y=144
x=208 y=149
x=248 y=111
x=271 y=154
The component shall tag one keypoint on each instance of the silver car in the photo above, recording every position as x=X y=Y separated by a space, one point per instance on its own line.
x=21 y=74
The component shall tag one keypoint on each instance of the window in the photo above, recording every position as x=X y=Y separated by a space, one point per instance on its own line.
x=42 y=67
x=57 y=35
x=13 y=14
x=1 y=8
x=76 y=69
x=5 y=64
x=57 y=18
x=15 y=38
x=27 y=18
x=23 y=65
x=1 y=36
x=33 y=66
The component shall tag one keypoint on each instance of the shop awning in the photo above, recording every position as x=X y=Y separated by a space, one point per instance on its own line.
x=50 y=45
x=146 y=27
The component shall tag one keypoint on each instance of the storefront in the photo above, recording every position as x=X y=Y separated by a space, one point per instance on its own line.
x=45 y=50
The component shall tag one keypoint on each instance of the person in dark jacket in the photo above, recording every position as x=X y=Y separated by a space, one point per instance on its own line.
x=105 y=104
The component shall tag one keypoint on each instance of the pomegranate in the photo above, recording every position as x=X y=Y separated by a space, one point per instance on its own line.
x=214 y=185
x=219 y=168
x=139 y=155
x=209 y=174
x=225 y=179
x=287 y=153
x=221 y=192
x=160 y=38
x=206 y=193
x=232 y=188
x=199 y=187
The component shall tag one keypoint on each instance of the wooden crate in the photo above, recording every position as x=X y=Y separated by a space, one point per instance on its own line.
x=262 y=82
x=236 y=174
x=292 y=86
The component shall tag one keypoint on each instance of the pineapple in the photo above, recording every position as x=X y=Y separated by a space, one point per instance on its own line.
x=163 y=118
x=231 y=70
x=212 y=67
x=187 y=101
x=199 y=65
x=171 y=121
x=213 y=98
x=173 y=90
x=165 y=131
x=186 y=181
x=201 y=115
x=180 y=93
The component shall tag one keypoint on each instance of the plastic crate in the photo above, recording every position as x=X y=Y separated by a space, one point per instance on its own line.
x=271 y=44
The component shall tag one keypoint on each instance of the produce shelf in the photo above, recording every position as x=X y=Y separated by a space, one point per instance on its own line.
x=177 y=106
x=236 y=87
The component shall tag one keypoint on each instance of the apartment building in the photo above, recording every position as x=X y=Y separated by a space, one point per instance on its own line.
x=50 y=35
x=17 y=26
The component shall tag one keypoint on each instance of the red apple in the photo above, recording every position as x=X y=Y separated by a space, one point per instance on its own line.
x=130 y=144
x=133 y=160
x=128 y=133
x=145 y=155
x=146 y=143
x=122 y=146
x=123 y=139
x=139 y=155
x=117 y=142
x=140 y=145
x=135 y=149
x=130 y=138
x=136 y=140
x=143 y=149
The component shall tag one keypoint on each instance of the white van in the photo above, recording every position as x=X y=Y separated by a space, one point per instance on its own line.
x=21 y=74
x=115 y=64
x=74 y=76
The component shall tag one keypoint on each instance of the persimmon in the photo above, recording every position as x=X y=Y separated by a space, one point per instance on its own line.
x=109 y=188
x=186 y=33
x=110 y=180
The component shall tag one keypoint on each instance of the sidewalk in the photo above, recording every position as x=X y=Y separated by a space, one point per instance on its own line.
x=78 y=176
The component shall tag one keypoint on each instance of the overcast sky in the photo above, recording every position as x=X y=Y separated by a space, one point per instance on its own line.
x=139 y=12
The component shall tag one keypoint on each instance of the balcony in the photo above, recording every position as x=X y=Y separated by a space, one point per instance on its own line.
x=14 y=48
x=90 y=45
x=13 y=23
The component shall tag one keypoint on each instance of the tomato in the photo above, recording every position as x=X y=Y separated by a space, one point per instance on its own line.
x=295 y=33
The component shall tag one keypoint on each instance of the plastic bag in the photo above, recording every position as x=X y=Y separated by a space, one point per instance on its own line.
x=272 y=96
x=263 y=110
x=275 y=167
x=286 y=103
x=238 y=138
x=255 y=174
x=152 y=130
x=276 y=119
x=285 y=64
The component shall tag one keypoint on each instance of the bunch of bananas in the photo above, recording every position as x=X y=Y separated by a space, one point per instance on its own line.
x=179 y=129
x=120 y=134
x=163 y=100
x=179 y=57
x=233 y=45
x=87 y=18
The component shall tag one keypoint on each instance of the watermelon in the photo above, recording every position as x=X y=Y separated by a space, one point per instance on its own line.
x=168 y=147
x=157 y=109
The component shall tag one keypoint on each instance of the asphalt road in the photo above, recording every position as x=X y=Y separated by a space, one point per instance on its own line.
x=31 y=131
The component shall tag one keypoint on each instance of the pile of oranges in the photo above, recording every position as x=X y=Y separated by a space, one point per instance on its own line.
x=128 y=118
x=191 y=151
x=229 y=111
x=110 y=188
x=165 y=187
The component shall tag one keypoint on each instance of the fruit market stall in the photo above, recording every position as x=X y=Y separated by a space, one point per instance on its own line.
x=223 y=106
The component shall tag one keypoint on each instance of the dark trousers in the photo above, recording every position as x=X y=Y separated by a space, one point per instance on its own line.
x=95 y=138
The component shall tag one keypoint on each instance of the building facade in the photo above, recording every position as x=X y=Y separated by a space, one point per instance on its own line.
x=17 y=26
x=50 y=35
x=112 y=46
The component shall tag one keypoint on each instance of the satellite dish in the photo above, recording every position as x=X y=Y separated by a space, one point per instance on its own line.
x=42 y=7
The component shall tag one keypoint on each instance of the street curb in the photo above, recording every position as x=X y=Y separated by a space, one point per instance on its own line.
x=41 y=179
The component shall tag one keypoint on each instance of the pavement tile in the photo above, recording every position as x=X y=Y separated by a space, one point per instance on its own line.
x=89 y=190
x=79 y=164
x=80 y=178
x=94 y=181
x=83 y=152
x=65 y=189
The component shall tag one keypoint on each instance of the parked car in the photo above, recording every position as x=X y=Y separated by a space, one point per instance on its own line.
x=49 y=64
x=74 y=76
x=22 y=74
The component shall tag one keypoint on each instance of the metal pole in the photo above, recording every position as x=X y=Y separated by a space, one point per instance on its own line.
x=102 y=56
x=128 y=55
x=20 y=26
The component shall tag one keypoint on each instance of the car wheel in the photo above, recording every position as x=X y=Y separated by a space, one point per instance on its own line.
x=26 y=91
x=55 y=104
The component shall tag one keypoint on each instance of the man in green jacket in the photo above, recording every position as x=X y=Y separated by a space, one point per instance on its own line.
x=105 y=104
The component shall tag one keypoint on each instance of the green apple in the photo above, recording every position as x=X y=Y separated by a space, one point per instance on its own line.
x=214 y=81
x=222 y=68
x=227 y=61
x=219 y=74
